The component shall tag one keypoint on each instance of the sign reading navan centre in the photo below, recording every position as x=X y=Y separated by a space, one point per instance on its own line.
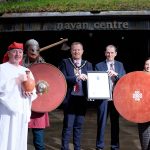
x=91 y=26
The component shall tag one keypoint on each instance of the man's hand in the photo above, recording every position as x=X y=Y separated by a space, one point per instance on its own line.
x=112 y=73
x=82 y=77
x=27 y=94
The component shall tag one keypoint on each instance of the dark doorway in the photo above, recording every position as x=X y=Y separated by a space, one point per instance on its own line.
x=133 y=46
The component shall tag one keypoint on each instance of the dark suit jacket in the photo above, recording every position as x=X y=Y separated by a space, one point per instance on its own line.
x=119 y=68
x=68 y=70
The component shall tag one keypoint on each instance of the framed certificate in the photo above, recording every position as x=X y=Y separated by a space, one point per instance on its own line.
x=98 y=85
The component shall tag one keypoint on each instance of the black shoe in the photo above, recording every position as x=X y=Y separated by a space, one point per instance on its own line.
x=99 y=149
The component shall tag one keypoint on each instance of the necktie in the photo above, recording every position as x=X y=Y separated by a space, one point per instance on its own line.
x=77 y=89
x=112 y=79
x=111 y=66
x=77 y=86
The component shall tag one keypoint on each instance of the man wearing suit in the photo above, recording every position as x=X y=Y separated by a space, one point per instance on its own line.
x=115 y=71
x=75 y=71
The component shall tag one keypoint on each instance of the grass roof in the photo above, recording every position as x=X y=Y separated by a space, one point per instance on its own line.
x=8 y=6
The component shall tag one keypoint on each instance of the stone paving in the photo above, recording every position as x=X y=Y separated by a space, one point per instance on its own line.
x=129 y=139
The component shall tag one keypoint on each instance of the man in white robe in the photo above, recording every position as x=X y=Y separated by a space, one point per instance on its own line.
x=15 y=103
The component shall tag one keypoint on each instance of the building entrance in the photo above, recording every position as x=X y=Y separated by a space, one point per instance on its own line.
x=133 y=46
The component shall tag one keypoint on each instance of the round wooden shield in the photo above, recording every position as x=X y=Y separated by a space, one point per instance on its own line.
x=56 y=89
x=132 y=96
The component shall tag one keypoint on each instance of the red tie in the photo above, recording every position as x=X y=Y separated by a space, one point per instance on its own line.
x=76 y=87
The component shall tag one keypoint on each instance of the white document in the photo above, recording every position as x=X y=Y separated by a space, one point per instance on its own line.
x=98 y=85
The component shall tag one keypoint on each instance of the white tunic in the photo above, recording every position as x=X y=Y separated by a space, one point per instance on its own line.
x=15 y=109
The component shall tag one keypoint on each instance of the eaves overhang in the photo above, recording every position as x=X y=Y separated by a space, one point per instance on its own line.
x=78 y=14
x=57 y=21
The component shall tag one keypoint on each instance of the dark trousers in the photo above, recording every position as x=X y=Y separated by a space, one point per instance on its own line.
x=106 y=108
x=38 y=138
x=144 y=135
x=74 y=115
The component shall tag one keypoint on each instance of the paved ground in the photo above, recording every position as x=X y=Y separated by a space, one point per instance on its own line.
x=128 y=133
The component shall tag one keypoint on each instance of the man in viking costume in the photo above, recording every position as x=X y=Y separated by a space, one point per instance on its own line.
x=39 y=121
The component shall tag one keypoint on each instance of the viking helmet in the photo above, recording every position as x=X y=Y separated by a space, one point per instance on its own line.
x=32 y=46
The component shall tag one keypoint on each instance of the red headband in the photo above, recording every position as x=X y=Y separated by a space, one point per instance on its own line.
x=15 y=45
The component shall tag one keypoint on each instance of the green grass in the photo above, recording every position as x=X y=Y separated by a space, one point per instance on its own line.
x=72 y=5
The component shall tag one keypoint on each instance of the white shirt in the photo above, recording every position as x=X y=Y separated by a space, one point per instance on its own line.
x=15 y=109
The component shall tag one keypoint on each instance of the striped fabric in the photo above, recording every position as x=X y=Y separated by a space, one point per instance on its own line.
x=144 y=135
